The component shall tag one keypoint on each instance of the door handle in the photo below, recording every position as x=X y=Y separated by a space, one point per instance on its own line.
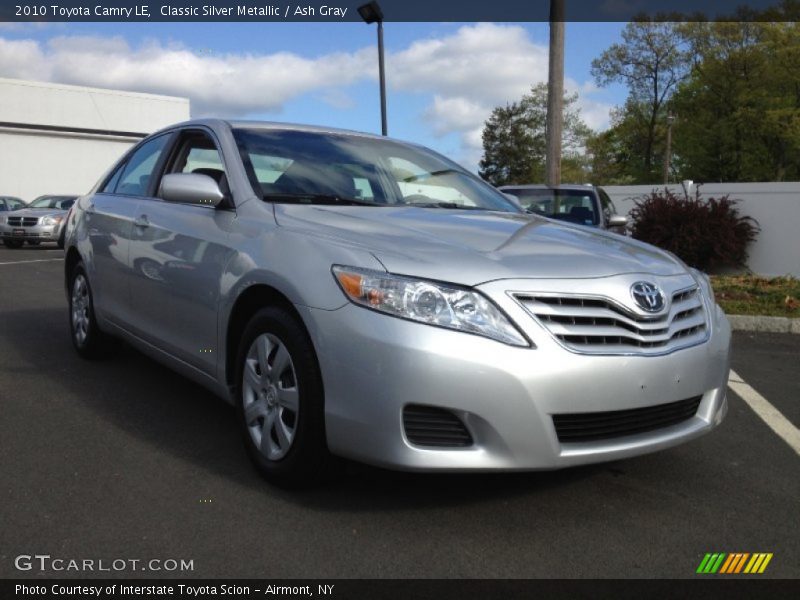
x=141 y=221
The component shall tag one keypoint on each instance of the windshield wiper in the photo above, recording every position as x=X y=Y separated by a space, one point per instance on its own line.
x=451 y=205
x=331 y=199
x=431 y=174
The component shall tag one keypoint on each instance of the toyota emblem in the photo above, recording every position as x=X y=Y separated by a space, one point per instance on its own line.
x=648 y=296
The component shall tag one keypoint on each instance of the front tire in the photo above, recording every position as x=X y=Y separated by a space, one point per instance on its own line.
x=86 y=336
x=280 y=400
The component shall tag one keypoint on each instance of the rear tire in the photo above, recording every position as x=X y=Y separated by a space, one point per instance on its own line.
x=13 y=243
x=88 y=340
x=280 y=400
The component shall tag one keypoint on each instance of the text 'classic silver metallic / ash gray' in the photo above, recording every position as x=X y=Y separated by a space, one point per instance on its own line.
x=359 y=297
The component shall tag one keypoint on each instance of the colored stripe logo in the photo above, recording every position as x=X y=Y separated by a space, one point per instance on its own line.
x=734 y=563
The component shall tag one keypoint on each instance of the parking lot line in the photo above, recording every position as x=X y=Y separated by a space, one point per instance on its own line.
x=22 y=262
x=768 y=413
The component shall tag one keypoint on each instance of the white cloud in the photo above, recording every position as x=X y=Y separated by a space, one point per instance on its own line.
x=467 y=73
x=226 y=85
x=474 y=70
x=456 y=113
x=22 y=60
x=486 y=63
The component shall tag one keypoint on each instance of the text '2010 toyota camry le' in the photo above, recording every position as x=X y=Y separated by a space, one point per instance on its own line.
x=365 y=298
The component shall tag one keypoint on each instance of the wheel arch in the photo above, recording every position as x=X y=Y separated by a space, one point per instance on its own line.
x=248 y=303
x=72 y=258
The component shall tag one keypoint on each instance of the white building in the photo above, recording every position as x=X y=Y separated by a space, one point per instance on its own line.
x=59 y=139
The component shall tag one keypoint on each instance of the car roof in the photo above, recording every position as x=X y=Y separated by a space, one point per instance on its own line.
x=273 y=125
x=540 y=186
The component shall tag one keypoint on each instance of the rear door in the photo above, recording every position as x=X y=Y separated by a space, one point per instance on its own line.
x=178 y=255
x=109 y=221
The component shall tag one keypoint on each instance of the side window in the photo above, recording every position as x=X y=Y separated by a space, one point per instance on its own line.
x=363 y=189
x=608 y=205
x=202 y=158
x=135 y=180
x=111 y=184
x=198 y=154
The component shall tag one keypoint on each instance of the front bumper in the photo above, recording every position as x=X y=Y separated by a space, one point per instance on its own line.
x=44 y=233
x=374 y=365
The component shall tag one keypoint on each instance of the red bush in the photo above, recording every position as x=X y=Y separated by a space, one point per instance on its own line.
x=705 y=234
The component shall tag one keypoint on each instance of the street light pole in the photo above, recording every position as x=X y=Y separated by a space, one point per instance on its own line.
x=382 y=75
x=372 y=13
x=668 y=153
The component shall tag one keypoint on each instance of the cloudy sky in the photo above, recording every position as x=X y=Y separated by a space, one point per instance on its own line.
x=443 y=79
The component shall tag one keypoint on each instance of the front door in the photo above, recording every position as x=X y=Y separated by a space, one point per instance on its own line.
x=178 y=255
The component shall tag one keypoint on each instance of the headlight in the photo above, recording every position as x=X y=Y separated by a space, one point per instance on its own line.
x=705 y=284
x=51 y=220
x=427 y=302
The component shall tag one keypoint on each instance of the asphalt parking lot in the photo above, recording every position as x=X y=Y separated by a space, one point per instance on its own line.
x=124 y=459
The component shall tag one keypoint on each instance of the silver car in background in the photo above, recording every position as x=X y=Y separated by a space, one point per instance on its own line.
x=587 y=205
x=9 y=203
x=40 y=221
x=360 y=297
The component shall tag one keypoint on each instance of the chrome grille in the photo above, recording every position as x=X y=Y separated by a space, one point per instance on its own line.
x=597 y=325
x=22 y=221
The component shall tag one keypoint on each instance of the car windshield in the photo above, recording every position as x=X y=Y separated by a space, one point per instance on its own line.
x=575 y=206
x=329 y=168
x=56 y=202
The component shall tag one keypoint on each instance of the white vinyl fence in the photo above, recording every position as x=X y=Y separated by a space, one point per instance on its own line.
x=776 y=207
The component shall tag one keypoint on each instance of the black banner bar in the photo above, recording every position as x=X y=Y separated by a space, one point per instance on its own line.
x=401 y=589
x=393 y=10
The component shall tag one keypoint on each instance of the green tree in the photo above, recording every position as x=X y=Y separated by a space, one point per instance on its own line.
x=651 y=61
x=741 y=104
x=615 y=154
x=514 y=141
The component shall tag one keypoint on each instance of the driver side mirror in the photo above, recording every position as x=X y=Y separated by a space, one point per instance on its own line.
x=618 y=221
x=191 y=188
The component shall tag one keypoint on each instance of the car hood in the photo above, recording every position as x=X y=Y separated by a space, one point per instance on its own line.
x=472 y=247
x=36 y=212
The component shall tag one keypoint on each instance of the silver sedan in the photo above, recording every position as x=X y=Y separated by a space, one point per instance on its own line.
x=360 y=297
x=40 y=221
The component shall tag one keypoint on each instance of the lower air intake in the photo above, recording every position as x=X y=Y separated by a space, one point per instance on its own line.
x=429 y=426
x=587 y=427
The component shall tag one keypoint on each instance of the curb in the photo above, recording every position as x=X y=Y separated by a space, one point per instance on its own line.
x=767 y=324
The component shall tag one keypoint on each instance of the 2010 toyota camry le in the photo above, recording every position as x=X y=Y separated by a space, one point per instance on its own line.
x=355 y=296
